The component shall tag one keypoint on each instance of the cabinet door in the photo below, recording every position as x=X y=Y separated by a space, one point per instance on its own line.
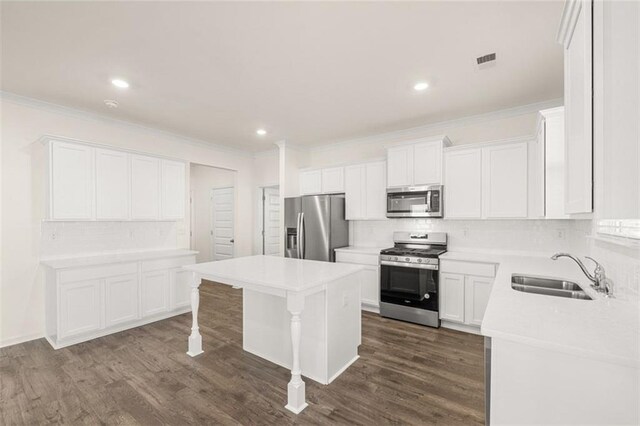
x=311 y=182
x=121 y=299
x=112 y=185
x=370 y=286
x=504 y=181
x=180 y=288
x=72 y=181
x=462 y=184
x=375 y=192
x=427 y=163
x=155 y=292
x=354 y=192
x=452 y=297
x=477 y=291
x=145 y=187
x=400 y=166
x=333 y=180
x=578 y=111
x=173 y=183
x=80 y=308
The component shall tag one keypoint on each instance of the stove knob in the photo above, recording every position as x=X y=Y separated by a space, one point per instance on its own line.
x=395 y=258
x=407 y=259
x=419 y=260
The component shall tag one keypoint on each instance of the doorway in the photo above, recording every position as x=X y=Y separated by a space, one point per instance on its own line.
x=269 y=220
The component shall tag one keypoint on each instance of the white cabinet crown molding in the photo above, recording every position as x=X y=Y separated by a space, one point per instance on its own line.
x=568 y=21
x=523 y=138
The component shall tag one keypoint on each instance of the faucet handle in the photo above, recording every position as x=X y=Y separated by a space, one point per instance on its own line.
x=599 y=268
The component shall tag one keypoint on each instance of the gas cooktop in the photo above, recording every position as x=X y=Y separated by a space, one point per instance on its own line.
x=414 y=252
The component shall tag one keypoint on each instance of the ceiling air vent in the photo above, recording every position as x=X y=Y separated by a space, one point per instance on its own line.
x=486 y=58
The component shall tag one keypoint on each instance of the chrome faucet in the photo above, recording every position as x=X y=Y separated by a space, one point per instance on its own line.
x=601 y=283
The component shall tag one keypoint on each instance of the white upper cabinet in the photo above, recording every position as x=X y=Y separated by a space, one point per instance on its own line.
x=549 y=166
x=418 y=163
x=333 y=180
x=504 y=181
x=576 y=36
x=145 y=188
x=112 y=185
x=365 y=194
x=427 y=163
x=400 y=166
x=93 y=183
x=71 y=181
x=172 y=189
x=311 y=182
x=463 y=183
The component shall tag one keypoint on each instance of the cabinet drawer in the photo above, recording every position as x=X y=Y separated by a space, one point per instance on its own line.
x=97 y=272
x=468 y=268
x=154 y=265
x=358 y=258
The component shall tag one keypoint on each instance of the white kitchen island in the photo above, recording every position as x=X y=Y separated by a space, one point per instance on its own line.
x=300 y=314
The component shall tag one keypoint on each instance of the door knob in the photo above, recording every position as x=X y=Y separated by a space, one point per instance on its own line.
x=232 y=240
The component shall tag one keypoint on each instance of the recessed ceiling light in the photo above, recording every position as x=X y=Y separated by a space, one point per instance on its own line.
x=120 y=83
x=421 y=86
x=261 y=132
x=110 y=103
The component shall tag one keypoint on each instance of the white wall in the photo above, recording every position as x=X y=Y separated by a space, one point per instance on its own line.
x=23 y=122
x=203 y=179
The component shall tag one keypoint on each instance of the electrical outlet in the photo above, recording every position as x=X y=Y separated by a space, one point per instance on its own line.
x=560 y=234
x=465 y=231
x=54 y=236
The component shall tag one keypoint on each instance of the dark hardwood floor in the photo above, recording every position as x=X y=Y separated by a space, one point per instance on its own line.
x=406 y=374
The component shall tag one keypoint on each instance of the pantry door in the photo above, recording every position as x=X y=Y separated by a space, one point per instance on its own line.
x=222 y=210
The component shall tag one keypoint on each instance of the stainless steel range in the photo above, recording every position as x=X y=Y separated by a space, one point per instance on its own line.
x=409 y=277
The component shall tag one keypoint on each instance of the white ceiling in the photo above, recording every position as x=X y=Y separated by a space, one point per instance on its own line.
x=310 y=73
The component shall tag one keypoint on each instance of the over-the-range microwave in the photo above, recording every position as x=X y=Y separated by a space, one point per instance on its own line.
x=415 y=201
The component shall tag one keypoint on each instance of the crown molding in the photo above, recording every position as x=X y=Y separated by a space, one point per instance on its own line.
x=570 y=15
x=419 y=131
x=77 y=113
x=478 y=145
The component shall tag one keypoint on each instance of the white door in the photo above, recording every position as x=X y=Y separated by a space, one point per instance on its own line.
x=173 y=189
x=462 y=184
x=400 y=166
x=155 y=292
x=145 y=188
x=370 y=286
x=452 y=292
x=354 y=194
x=333 y=180
x=311 y=182
x=222 y=241
x=121 y=299
x=72 y=184
x=427 y=163
x=80 y=307
x=180 y=284
x=504 y=181
x=477 y=291
x=271 y=222
x=112 y=185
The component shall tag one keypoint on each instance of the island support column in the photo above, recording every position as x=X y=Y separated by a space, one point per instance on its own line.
x=296 y=387
x=195 y=339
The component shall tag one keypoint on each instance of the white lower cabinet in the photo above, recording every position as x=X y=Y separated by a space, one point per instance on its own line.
x=465 y=288
x=369 y=279
x=86 y=302
x=155 y=292
x=121 y=299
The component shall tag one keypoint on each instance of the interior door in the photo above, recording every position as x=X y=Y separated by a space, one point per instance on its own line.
x=316 y=225
x=222 y=223
x=271 y=221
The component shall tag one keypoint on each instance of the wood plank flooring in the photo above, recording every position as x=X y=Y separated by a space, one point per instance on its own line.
x=406 y=374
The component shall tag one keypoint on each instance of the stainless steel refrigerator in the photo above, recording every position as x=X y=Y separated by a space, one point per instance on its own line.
x=315 y=226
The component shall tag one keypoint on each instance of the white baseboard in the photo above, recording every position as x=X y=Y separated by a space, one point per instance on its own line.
x=460 y=327
x=370 y=308
x=20 y=339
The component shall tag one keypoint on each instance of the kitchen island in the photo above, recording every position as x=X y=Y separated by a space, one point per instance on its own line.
x=300 y=314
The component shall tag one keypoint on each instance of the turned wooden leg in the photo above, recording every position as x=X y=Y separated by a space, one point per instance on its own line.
x=296 y=387
x=195 y=339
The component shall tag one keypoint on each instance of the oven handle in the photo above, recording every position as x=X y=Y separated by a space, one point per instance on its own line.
x=409 y=265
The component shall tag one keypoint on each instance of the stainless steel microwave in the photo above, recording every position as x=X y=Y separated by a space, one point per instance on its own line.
x=415 y=201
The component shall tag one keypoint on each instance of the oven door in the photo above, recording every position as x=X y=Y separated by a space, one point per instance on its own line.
x=415 y=285
x=422 y=201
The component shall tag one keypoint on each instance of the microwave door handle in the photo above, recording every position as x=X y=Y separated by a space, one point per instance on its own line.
x=428 y=201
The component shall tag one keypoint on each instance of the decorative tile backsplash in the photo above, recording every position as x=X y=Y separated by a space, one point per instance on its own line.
x=543 y=237
x=90 y=238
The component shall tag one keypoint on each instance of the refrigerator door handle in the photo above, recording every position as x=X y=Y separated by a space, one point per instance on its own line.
x=298 y=236
x=301 y=243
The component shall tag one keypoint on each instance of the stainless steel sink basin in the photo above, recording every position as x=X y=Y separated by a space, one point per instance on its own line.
x=548 y=287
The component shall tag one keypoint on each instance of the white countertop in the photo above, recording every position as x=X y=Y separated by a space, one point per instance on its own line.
x=274 y=272
x=362 y=250
x=603 y=328
x=79 y=261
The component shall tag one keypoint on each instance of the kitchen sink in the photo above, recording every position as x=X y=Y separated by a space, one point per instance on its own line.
x=548 y=287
